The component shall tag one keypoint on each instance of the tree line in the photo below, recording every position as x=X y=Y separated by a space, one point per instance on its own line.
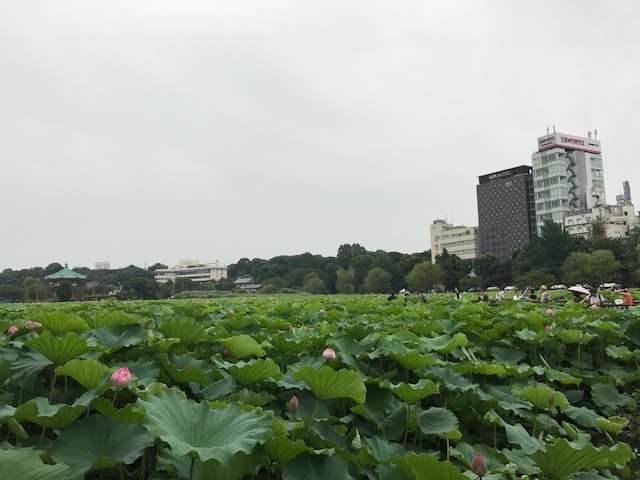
x=551 y=258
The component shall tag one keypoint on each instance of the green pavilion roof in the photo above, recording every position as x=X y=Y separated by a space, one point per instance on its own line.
x=66 y=272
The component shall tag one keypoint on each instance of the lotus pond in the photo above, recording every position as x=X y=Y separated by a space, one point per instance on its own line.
x=240 y=389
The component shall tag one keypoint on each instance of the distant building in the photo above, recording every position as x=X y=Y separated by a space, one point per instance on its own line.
x=65 y=274
x=103 y=266
x=619 y=220
x=568 y=176
x=506 y=211
x=193 y=270
x=247 y=283
x=458 y=240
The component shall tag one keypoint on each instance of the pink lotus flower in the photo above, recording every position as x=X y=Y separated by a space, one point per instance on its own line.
x=479 y=465
x=329 y=354
x=121 y=377
x=293 y=403
x=594 y=306
x=12 y=329
x=224 y=352
x=30 y=324
x=232 y=311
x=548 y=328
x=549 y=311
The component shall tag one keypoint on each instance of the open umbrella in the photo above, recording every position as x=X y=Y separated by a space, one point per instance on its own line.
x=579 y=289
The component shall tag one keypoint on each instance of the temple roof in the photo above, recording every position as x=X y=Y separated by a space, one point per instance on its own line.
x=66 y=272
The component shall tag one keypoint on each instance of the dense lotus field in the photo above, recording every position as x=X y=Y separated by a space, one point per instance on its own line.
x=306 y=388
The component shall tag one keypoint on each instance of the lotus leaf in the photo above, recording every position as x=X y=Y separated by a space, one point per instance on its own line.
x=543 y=397
x=282 y=450
x=412 y=359
x=612 y=424
x=26 y=464
x=242 y=346
x=412 y=393
x=328 y=383
x=607 y=397
x=427 y=467
x=436 y=421
x=316 y=467
x=192 y=428
x=252 y=371
x=61 y=323
x=99 y=442
x=87 y=372
x=561 y=459
x=186 y=329
x=59 y=350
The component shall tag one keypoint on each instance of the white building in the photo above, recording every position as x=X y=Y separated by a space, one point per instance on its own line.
x=567 y=176
x=458 y=240
x=619 y=220
x=193 y=270
x=103 y=266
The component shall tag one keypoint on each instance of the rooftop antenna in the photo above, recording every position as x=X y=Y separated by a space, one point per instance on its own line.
x=547 y=130
x=589 y=133
x=554 y=129
x=595 y=133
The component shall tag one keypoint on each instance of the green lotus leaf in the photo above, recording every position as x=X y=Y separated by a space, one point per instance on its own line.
x=544 y=397
x=106 y=317
x=59 y=350
x=26 y=368
x=562 y=459
x=562 y=377
x=458 y=340
x=412 y=393
x=115 y=336
x=382 y=449
x=249 y=397
x=282 y=450
x=193 y=428
x=612 y=424
x=288 y=345
x=26 y=464
x=130 y=413
x=62 y=323
x=517 y=435
x=575 y=336
x=252 y=371
x=427 y=467
x=607 y=397
x=451 y=380
x=436 y=421
x=98 y=442
x=413 y=359
x=185 y=368
x=41 y=412
x=328 y=383
x=146 y=371
x=316 y=467
x=87 y=372
x=239 y=322
x=508 y=356
x=186 y=329
x=583 y=415
x=242 y=346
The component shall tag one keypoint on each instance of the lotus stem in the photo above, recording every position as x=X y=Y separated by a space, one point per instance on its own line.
x=406 y=432
x=193 y=462
x=54 y=378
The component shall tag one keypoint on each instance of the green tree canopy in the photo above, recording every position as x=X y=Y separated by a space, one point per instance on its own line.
x=344 y=281
x=594 y=268
x=424 y=276
x=377 y=280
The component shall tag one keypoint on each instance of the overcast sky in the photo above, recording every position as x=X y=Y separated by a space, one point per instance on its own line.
x=138 y=132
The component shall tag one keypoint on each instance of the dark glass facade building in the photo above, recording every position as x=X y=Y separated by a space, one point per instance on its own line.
x=506 y=211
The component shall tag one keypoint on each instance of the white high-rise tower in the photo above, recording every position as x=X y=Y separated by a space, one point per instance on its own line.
x=567 y=176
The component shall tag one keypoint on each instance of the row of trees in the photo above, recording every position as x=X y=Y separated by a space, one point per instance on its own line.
x=553 y=257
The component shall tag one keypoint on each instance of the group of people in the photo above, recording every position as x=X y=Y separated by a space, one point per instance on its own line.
x=592 y=298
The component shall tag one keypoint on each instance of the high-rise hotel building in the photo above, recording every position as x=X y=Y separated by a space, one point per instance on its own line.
x=506 y=214
x=567 y=176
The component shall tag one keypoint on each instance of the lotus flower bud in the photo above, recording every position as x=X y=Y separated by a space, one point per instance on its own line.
x=329 y=354
x=290 y=327
x=548 y=328
x=356 y=443
x=549 y=311
x=224 y=352
x=550 y=400
x=594 y=306
x=232 y=311
x=293 y=403
x=478 y=465
x=121 y=377
x=30 y=324
x=12 y=329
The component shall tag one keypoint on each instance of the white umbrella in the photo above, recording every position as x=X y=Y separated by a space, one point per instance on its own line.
x=579 y=289
x=404 y=290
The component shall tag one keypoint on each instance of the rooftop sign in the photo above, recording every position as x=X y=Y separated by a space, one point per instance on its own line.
x=570 y=142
